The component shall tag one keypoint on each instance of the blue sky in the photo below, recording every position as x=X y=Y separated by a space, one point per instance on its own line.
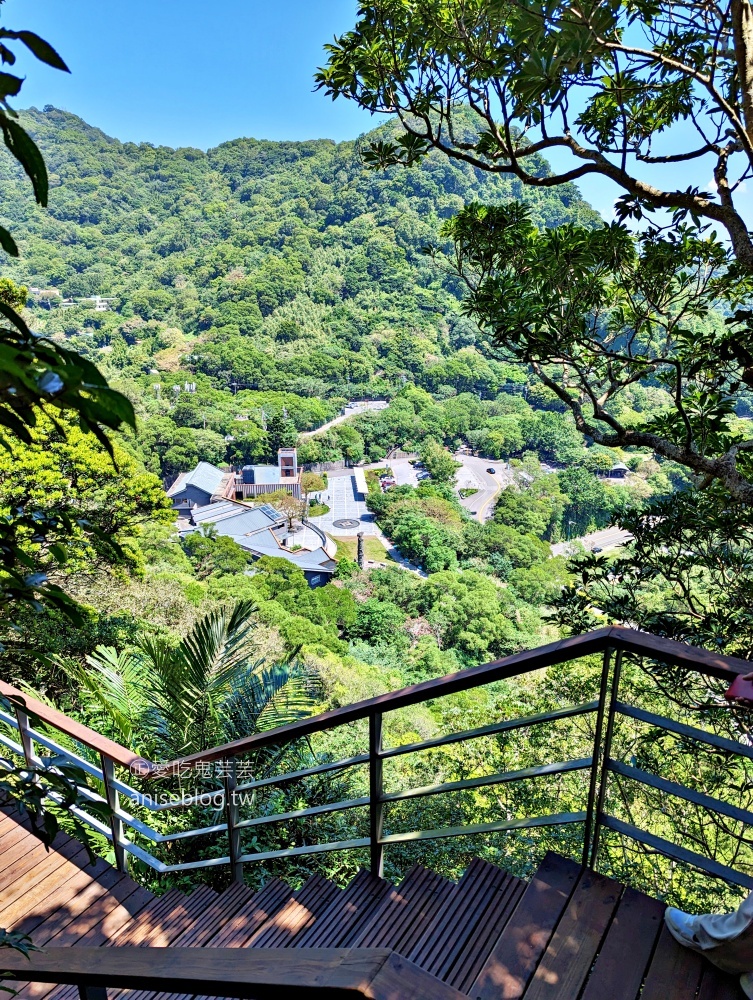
x=185 y=73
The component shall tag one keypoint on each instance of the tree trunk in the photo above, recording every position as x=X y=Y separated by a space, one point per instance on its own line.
x=742 y=29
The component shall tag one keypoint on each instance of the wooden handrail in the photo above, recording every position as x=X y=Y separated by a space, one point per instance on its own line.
x=258 y=973
x=667 y=650
x=76 y=730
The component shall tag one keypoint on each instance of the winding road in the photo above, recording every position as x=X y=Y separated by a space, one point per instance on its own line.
x=607 y=538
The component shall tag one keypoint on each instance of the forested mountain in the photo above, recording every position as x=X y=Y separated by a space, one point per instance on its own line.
x=293 y=265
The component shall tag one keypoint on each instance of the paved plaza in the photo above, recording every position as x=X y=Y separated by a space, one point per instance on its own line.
x=345 y=503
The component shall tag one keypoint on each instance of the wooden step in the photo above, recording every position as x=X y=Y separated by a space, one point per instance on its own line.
x=634 y=930
x=716 y=985
x=456 y=946
x=346 y=914
x=252 y=915
x=430 y=949
x=568 y=935
x=212 y=918
x=136 y=933
x=675 y=972
x=401 y=919
x=202 y=930
x=394 y=900
x=29 y=856
x=58 y=876
x=524 y=939
x=298 y=914
x=570 y=954
x=121 y=903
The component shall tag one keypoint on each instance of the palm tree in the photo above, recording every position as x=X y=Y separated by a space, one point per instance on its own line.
x=166 y=701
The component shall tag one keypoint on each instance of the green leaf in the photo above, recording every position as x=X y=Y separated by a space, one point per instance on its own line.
x=41 y=49
x=7 y=242
x=25 y=150
x=9 y=85
x=15 y=319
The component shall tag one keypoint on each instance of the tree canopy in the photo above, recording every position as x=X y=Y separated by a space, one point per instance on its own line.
x=619 y=86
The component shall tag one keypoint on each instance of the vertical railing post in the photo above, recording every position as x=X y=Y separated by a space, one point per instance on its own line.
x=376 y=806
x=232 y=816
x=92 y=993
x=116 y=823
x=596 y=756
x=32 y=760
x=599 y=812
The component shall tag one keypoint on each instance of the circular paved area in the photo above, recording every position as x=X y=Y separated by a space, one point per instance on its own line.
x=345 y=522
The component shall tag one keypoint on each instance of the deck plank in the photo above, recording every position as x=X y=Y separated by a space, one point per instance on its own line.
x=524 y=939
x=564 y=936
x=674 y=972
x=24 y=897
x=346 y=914
x=478 y=881
x=389 y=910
x=299 y=913
x=716 y=985
x=633 y=931
x=490 y=926
x=569 y=956
x=252 y=915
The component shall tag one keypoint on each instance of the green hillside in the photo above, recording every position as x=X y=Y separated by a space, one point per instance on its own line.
x=292 y=265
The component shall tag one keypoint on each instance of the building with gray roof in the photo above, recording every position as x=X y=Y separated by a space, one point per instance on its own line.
x=197 y=487
x=262 y=531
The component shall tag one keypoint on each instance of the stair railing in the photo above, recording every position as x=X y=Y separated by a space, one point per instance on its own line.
x=606 y=711
x=258 y=973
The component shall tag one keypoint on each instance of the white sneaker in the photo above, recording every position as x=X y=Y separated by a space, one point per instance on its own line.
x=682 y=927
x=746 y=982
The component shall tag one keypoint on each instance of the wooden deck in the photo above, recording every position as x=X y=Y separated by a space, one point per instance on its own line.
x=567 y=935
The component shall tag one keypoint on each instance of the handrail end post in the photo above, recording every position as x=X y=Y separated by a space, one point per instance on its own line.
x=376 y=791
x=116 y=823
x=606 y=754
x=92 y=993
x=232 y=815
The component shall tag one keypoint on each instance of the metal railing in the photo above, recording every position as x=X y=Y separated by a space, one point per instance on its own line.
x=600 y=769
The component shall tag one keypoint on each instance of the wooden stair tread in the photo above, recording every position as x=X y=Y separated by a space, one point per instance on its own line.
x=299 y=913
x=252 y=915
x=513 y=959
x=213 y=916
x=180 y=917
x=133 y=934
x=572 y=949
x=346 y=914
x=29 y=855
x=429 y=949
x=567 y=935
x=717 y=985
x=212 y=920
x=472 y=948
x=420 y=914
x=674 y=973
x=60 y=875
x=634 y=930
x=124 y=899
x=418 y=888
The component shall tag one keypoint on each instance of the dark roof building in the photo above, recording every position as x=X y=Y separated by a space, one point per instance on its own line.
x=262 y=531
x=198 y=486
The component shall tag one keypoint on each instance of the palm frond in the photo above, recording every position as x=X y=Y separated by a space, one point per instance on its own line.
x=114 y=682
x=191 y=681
x=220 y=645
